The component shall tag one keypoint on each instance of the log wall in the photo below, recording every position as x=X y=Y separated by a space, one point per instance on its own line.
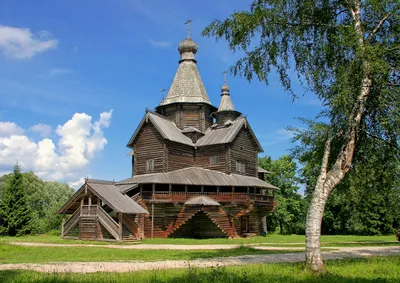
x=149 y=145
x=179 y=156
x=244 y=151
x=189 y=115
x=203 y=155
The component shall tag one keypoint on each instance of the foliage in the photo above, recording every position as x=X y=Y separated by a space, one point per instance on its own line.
x=375 y=269
x=290 y=212
x=15 y=212
x=348 y=54
x=42 y=198
x=367 y=202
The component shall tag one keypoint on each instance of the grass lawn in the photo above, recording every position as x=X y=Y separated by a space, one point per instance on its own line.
x=26 y=254
x=367 y=270
x=275 y=239
x=272 y=239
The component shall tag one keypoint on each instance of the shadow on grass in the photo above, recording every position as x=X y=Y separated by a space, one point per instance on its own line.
x=209 y=275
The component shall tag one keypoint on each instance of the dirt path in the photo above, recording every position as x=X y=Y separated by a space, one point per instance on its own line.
x=130 y=266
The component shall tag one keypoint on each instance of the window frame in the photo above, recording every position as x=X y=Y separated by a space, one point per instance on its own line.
x=240 y=167
x=150 y=165
x=244 y=223
x=216 y=159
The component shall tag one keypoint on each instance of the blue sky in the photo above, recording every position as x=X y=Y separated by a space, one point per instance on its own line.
x=63 y=63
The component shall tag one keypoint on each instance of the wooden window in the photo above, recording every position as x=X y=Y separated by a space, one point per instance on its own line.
x=149 y=164
x=240 y=167
x=214 y=160
x=244 y=223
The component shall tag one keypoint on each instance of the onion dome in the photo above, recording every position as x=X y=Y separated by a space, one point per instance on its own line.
x=188 y=45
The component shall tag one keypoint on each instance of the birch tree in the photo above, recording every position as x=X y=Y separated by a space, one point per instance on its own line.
x=345 y=51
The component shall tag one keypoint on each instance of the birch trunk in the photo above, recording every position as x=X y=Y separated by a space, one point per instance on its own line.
x=328 y=179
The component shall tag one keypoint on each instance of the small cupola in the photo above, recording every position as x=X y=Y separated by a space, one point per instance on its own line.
x=226 y=113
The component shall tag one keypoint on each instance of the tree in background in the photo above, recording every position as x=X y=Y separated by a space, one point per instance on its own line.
x=367 y=202
x=43 y=199
x=289 y=215
x=15 y=212
x=348 y=53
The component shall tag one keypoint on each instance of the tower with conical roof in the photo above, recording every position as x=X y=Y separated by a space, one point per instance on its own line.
x=226 y=113
x=187 y=103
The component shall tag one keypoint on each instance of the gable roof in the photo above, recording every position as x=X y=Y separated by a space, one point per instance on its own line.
x=199 y=177
x=202 y=200
x=119 y=202
x=110 y=194
x=227 y=134
x=167 y=129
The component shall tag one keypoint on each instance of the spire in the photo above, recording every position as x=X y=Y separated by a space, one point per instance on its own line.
x=187 y=85
x=226 y=102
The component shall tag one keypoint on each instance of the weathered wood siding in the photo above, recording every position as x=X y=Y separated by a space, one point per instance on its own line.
x=177 y=220
x=179 y=156
x=190 y=115
x=149 y=145
x=203 y=155
x=244 y=151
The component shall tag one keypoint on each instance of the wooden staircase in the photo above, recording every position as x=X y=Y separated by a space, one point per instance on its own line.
x=71 y=222
x=108 y=223
x=184 y=215
x=221 y=219
x=130 y=230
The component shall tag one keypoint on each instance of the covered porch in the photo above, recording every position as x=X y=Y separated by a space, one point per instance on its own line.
x=98 y=211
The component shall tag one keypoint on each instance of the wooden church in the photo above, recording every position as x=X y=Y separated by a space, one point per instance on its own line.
x=195 y=173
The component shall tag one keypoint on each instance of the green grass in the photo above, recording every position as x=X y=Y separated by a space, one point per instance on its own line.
x=275 y=239
x=272 y=239
x=367 y=270
x=27 y=254
x=55 y=240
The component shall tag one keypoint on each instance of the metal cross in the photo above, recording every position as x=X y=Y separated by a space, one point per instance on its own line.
x=163 y=92
x=224 y=73
x=188 y=26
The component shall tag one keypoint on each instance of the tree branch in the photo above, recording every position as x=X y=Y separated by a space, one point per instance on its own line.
x=325 y=158
x=381 y=22
x=393 y=145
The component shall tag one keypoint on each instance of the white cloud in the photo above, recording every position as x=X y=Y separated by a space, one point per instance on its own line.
x=9 y=129
x=160 y=44
x=58 y=71
x=67 y=160
x=42 y=129
x=21 y=43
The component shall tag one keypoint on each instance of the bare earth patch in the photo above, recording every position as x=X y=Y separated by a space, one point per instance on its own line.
x=130 y=266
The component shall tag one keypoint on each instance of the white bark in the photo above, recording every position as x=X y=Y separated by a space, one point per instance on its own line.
x=328 y=180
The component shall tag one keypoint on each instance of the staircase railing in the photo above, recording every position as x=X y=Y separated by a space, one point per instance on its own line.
x=109 y=223
x=130 y=224
x=71 y=221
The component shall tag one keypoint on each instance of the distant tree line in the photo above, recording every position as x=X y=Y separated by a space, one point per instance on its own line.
x=367 y=202
x=28 y=205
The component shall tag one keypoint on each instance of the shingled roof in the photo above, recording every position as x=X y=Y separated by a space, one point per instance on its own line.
x=199 y=177
x=187 y=85
x=224 y=135
x=167 y=129
x=170 y=131
x=110 y=194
